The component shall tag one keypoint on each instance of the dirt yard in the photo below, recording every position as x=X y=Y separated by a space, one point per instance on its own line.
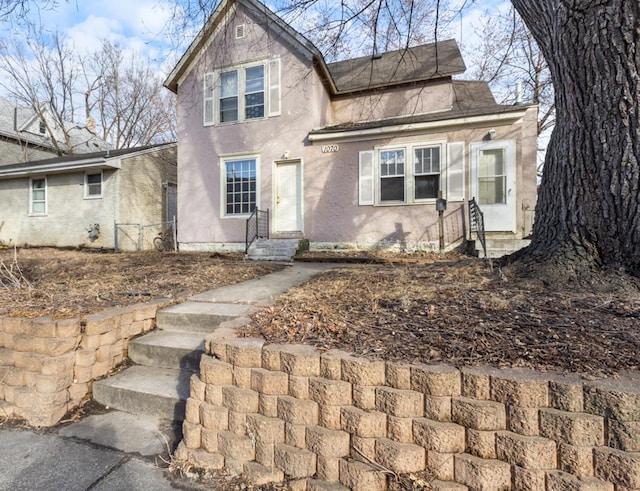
x=65 y=283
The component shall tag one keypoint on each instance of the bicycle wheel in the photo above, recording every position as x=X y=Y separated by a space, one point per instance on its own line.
x=158 y=243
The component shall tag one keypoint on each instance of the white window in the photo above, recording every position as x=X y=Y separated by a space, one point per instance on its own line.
x=38 y=196
x=228 y=103
x=426 y=172
x=240 y=185
x=242 y=93
x=492 y=176
x=93 y=185
x=411 y=174
x=392 y=174
x=254 y=92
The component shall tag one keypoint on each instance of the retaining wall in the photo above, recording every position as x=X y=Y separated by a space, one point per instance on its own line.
x=333 y=421
x=47 y=366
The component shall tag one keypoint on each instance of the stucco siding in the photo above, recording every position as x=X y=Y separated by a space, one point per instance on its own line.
x=201 y=147
x=68 y=215
x=389 y=103
x=331 y=192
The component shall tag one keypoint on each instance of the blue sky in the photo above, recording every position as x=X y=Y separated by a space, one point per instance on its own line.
x=137 y=25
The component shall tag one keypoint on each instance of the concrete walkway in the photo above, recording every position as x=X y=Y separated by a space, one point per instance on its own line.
x=117 y=450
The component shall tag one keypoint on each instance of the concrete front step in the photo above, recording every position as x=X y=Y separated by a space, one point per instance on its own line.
x=154 y=391
x=168 y=349
x=198 y=316
x=273 y=249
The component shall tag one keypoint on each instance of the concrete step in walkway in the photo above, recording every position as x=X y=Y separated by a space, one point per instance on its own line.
x=167 y=357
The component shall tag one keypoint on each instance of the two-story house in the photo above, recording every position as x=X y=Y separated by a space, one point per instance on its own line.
x=352 y=154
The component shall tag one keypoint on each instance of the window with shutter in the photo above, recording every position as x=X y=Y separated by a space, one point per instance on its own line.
x=241 y=93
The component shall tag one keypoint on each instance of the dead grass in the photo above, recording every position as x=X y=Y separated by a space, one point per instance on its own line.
x=70 y=283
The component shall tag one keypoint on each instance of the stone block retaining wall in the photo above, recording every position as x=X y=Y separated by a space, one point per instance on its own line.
x=333 y=421
x=47 y=366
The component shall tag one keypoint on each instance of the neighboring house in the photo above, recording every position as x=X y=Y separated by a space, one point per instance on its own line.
x=349 y=154
x=75 y=201
x=26 y=135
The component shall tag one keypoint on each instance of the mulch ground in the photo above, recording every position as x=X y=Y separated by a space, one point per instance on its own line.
x=42 y=282
x=459 y=311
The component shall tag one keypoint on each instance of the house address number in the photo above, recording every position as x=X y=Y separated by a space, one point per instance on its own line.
x=330 y=148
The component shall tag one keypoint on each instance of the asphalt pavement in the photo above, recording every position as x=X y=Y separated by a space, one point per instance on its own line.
x=113 y=451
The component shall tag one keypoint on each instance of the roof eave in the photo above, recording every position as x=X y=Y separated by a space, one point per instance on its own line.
x=358 y=134
x=60 y=168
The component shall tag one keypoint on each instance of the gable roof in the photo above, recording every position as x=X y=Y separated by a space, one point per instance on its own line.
x=16 y=120
x=419 y=63
x=69 y=163
x=216 y=20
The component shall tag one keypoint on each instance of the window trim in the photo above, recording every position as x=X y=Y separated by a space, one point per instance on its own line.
x=224 y=159
x=87 y=185
x=409 y=172
x=271 y=84
x=32 y=201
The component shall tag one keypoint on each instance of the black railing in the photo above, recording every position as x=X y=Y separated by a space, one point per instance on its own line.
x=476 y=223
x=257 y=227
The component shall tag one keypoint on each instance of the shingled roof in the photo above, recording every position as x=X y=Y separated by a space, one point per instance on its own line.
x=107 y=158
x=419 y=63
x=15 y=121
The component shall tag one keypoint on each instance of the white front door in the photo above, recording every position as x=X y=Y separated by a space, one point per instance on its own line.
x=288 y=196
x=493 y=183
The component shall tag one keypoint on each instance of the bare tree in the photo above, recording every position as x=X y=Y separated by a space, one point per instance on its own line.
x=127 y=97
x=43 y=75
x=120 y=99
x=509 y=58
x=353 y=28
x=19 y=10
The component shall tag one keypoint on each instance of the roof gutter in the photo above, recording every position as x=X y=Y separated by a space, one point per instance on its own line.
x=374 y=133
x=59 y=167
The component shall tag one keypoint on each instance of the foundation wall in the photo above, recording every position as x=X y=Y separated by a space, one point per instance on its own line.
x=328 y=420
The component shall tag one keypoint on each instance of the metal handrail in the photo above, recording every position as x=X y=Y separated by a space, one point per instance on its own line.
x=476 y=223
x=257 y=227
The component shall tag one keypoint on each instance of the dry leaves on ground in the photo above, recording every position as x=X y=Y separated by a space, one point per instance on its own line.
x=71 y=283
x=460 y=312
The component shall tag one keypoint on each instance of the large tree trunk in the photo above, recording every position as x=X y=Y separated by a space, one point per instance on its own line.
x=588 y=211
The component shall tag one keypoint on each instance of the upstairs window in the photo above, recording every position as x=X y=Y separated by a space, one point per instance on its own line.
x=228 y=96
x=93 y=185
x=254 y=92
x=242 y=93
x=38 y=197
